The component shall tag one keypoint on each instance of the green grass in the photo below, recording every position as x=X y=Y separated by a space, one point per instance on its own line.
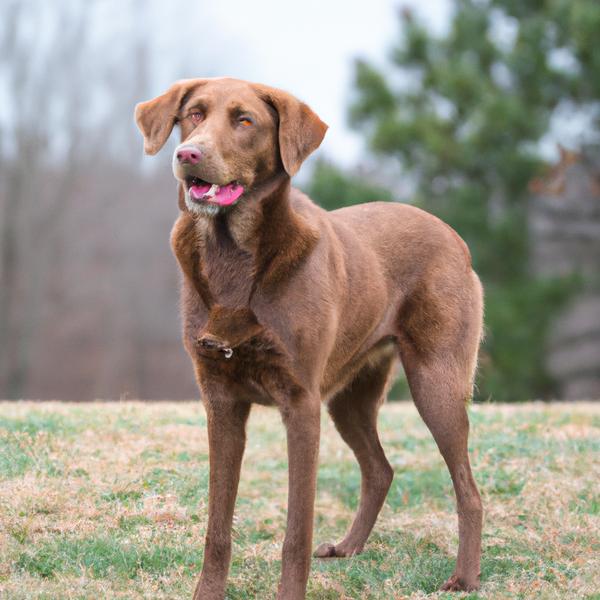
x=109 y=501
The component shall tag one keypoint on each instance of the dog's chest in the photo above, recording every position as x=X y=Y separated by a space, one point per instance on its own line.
x=234 y=350
x=228 y=269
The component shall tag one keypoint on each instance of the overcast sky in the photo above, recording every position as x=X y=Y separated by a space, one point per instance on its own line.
x=304 y=47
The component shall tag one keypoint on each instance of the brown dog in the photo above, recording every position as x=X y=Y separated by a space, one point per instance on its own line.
x=288 y=305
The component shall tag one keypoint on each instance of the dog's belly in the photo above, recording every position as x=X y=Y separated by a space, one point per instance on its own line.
x=334 y=382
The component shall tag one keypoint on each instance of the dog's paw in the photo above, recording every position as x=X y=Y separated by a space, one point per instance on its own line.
x=458 y=584
x=327 y=550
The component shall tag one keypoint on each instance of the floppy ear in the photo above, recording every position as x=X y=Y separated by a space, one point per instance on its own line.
x=156 y=118
x=300 y=129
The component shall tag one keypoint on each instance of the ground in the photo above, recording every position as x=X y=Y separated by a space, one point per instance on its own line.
x=108 y=500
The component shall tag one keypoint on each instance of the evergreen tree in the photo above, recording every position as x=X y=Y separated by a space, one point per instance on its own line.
x=464 y=114
x=333 y=188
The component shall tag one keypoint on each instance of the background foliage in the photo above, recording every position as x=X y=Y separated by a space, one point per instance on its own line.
x=464 y=115
x=456 y=122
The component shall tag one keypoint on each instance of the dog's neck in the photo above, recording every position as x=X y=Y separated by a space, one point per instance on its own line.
x=260 y=242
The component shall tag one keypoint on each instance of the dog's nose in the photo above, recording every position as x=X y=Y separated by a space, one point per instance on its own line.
x=188 y=154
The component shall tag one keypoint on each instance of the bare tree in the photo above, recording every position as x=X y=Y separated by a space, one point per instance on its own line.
x=88 y=287
x=44 y=79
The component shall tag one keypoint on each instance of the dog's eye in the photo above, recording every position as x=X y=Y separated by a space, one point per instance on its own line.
x=196 y=117
x=245 y=121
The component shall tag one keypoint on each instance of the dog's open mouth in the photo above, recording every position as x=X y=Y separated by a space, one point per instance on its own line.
x=202 y=191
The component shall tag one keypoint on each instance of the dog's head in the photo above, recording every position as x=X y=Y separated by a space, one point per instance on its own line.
x=235 y=135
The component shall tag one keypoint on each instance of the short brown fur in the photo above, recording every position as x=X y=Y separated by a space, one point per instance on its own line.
x=286 y=304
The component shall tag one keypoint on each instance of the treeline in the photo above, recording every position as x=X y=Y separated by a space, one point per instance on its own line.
x=89 y=290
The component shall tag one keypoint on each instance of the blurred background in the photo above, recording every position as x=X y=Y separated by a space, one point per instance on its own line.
x=484 y=112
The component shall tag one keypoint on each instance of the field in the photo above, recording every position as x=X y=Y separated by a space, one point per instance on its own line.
x=109 y=501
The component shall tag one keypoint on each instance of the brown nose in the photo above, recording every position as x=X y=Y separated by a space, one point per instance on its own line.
x=188 y=154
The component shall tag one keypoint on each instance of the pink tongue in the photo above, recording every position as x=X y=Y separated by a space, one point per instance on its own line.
x=228 y=194
x=197 y=191
x=225 y=195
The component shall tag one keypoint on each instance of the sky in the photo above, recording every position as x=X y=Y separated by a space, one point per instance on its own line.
x=306 y=48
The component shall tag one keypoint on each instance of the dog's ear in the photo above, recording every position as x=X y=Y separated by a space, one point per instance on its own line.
x=156 y=118
x=300 y=129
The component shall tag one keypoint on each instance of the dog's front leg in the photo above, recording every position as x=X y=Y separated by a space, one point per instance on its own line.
x=226 y=420
x=302 y=421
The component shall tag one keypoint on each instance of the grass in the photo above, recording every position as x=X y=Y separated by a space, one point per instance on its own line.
x=109 y=501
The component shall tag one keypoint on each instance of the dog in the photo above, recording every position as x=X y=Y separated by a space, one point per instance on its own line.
x=289 y=305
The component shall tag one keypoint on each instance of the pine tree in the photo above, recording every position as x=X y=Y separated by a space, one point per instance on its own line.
x=464 y=114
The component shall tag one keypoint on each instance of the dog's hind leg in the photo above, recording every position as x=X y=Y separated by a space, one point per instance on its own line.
x=354 y=412
x=442 y=405
x=440 y=376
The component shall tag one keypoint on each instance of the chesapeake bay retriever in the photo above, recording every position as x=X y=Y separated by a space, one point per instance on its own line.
x=286 y=304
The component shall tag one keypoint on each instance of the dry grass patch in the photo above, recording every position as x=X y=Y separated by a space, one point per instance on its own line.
x=109 y=501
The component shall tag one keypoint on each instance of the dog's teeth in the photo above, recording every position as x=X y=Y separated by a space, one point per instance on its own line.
x=214 y=188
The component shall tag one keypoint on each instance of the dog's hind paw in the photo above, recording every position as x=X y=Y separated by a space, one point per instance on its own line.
x=327 y=550
x=458 y=584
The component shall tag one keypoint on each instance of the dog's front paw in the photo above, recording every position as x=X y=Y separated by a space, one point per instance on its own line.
x=211 y=347
x=460 y=584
